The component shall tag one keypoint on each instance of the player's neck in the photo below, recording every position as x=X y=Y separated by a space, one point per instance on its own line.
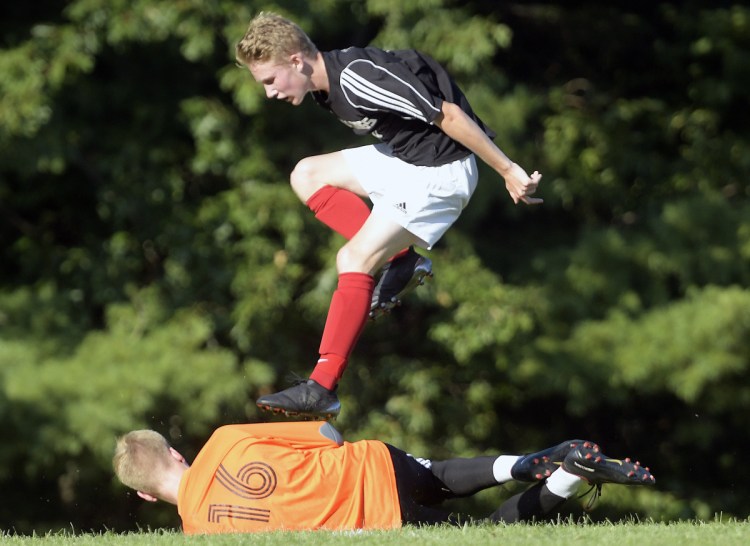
x=171 y=485
x=319 y=76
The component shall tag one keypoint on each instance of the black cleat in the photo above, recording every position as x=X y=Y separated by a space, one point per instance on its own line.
x=588 y=462
x=541 y=465
x=306 y=399
x=399 y=277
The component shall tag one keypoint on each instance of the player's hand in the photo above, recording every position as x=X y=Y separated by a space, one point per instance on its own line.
x=521 y=186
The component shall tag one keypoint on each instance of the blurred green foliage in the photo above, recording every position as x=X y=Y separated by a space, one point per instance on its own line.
x=157 y=271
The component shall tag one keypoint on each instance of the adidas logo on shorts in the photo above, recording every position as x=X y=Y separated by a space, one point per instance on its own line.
x=401 y=207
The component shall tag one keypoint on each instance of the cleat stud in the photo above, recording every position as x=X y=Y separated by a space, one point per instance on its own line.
x=598 y=459
x=627 y=459
x=631 y=474
x=538 y=476
x=536 y=460
x=588 y=456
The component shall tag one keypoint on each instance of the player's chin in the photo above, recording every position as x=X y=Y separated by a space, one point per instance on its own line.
x=298 y=100
x=294 y=101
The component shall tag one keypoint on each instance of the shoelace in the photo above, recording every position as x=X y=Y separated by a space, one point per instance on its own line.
x=294 y=379
x=597 y=492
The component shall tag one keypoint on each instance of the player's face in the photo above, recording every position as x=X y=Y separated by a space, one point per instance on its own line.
x=282 y=80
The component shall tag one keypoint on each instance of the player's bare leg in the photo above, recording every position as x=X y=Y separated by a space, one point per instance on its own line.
x=314 y=172
x=398 y=276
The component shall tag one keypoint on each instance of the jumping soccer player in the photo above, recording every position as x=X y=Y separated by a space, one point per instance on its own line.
x=303 y=476
x=419 y=178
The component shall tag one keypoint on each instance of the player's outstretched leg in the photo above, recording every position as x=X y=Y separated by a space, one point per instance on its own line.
x=587 y=461
x=583 y=460
x=399 y=277
x=305 y=399
x=540 y=465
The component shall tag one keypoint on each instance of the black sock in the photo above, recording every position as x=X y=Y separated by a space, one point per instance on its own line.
x=535 y=502
x=466 y=476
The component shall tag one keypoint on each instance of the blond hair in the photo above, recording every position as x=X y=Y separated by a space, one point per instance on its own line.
x=271 y=37
x=140 y=459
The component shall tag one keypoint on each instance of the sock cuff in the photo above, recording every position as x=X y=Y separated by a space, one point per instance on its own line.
x=563 y=484
x=502 y=466
x=356 y=280
x=318 y=199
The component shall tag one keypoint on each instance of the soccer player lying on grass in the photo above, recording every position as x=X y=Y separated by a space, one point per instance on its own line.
x=303 y=476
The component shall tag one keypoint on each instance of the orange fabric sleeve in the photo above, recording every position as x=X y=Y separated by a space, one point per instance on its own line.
x=270 y=476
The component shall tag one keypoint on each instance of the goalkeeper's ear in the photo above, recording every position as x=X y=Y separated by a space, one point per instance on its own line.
x=177 y=456
x=146 y=496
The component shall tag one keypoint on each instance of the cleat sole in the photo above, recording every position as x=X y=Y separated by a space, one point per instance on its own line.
x=541 y=465
x=591 y=465
x=298 y=415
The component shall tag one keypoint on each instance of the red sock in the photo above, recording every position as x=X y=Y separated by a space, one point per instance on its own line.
x=341 y=210
x=347 y=316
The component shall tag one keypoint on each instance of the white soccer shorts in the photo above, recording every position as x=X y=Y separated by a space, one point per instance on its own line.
x=426 y=201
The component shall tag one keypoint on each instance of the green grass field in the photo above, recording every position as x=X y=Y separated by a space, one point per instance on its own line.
x=557 y=534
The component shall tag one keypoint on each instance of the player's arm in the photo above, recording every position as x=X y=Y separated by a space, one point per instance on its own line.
x=456 y=124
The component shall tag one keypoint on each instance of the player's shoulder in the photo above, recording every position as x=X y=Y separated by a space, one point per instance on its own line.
x=354 y=52
x=362 y=58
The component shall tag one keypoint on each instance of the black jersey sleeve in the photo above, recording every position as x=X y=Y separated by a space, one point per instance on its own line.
x=388 y=87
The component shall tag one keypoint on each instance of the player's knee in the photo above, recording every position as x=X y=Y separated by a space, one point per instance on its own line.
x=303 y=178
x=350 y=259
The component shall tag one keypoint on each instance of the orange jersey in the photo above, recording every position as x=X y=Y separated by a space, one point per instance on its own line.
x=264 y=477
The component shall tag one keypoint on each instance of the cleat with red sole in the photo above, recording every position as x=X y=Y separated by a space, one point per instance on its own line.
x=541 y=465
x=585 y=462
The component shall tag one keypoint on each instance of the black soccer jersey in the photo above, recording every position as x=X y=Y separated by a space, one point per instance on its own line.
x=395 y=96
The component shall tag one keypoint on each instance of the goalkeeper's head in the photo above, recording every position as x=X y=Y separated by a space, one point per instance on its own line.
x=146 y=462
